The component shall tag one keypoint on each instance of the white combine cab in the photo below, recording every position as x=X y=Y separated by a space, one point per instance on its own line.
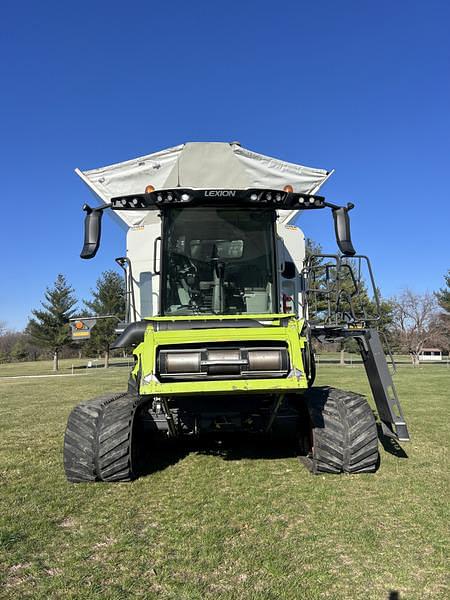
x=214 y=165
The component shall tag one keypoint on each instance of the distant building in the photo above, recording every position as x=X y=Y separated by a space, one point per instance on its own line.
x=430 y=354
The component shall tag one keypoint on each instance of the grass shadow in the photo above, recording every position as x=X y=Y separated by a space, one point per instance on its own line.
x=161 y=454
x=390 y=444
x=235 y=446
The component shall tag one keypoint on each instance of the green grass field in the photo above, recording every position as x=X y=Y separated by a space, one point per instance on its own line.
x=45 y=367
x=221 y=522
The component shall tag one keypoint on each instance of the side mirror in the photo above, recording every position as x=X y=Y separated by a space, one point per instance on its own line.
x=92 y=231
x=342 y=230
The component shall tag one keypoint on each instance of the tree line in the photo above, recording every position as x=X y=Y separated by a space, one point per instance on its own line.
x=410 y=321
x=48 y=333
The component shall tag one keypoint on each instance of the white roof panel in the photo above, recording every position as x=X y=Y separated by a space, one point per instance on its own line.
x=217 y=165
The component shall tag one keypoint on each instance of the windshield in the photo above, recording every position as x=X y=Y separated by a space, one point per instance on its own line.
x=218 y=261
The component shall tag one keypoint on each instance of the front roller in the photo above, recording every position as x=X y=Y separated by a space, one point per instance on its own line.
x=340 y=433
x=102 y=440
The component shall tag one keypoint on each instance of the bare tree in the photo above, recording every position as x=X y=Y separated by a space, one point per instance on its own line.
x=3 y=328
x=8 y=339
x=415 y=320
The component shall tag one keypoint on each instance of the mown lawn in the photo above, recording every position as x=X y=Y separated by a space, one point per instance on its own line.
x=66 y=366
x=222 y=522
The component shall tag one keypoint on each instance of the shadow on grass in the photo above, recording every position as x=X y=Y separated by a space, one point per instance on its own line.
x=165 y=453
x=390 y=445
x=160 y=455
x=240 y=446
x=236 y=446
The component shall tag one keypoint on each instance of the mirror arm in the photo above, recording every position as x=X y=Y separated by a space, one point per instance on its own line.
x=349 y=206
x=88 y=209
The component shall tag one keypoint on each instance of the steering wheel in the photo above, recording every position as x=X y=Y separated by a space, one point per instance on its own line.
x=183 y=264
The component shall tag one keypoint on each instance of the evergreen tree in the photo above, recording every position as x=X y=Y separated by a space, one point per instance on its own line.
x=108 y=299
x=353 y=301
x=443 y=298
x=50 y=326
x=311 y=247
x=443 y=295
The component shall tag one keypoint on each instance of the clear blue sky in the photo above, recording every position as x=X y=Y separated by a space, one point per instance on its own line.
x=359 y=86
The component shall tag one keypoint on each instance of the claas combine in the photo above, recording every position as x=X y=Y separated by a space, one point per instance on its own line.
x=223 y=305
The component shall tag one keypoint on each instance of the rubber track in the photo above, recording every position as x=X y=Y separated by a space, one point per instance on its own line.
x=344 y=432
x=98 y=439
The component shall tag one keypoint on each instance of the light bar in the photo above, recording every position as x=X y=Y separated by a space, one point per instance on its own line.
x=243 y=198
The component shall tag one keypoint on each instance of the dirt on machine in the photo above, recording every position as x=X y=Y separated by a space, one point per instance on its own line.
x=223 y=306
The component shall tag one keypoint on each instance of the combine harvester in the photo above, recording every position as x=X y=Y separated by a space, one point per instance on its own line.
x=222 y=308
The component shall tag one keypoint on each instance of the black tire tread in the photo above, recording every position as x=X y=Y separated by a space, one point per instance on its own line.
x=344 y=432
x=98 y=441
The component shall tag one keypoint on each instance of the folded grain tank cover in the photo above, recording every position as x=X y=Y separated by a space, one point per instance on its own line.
x=207 y=165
